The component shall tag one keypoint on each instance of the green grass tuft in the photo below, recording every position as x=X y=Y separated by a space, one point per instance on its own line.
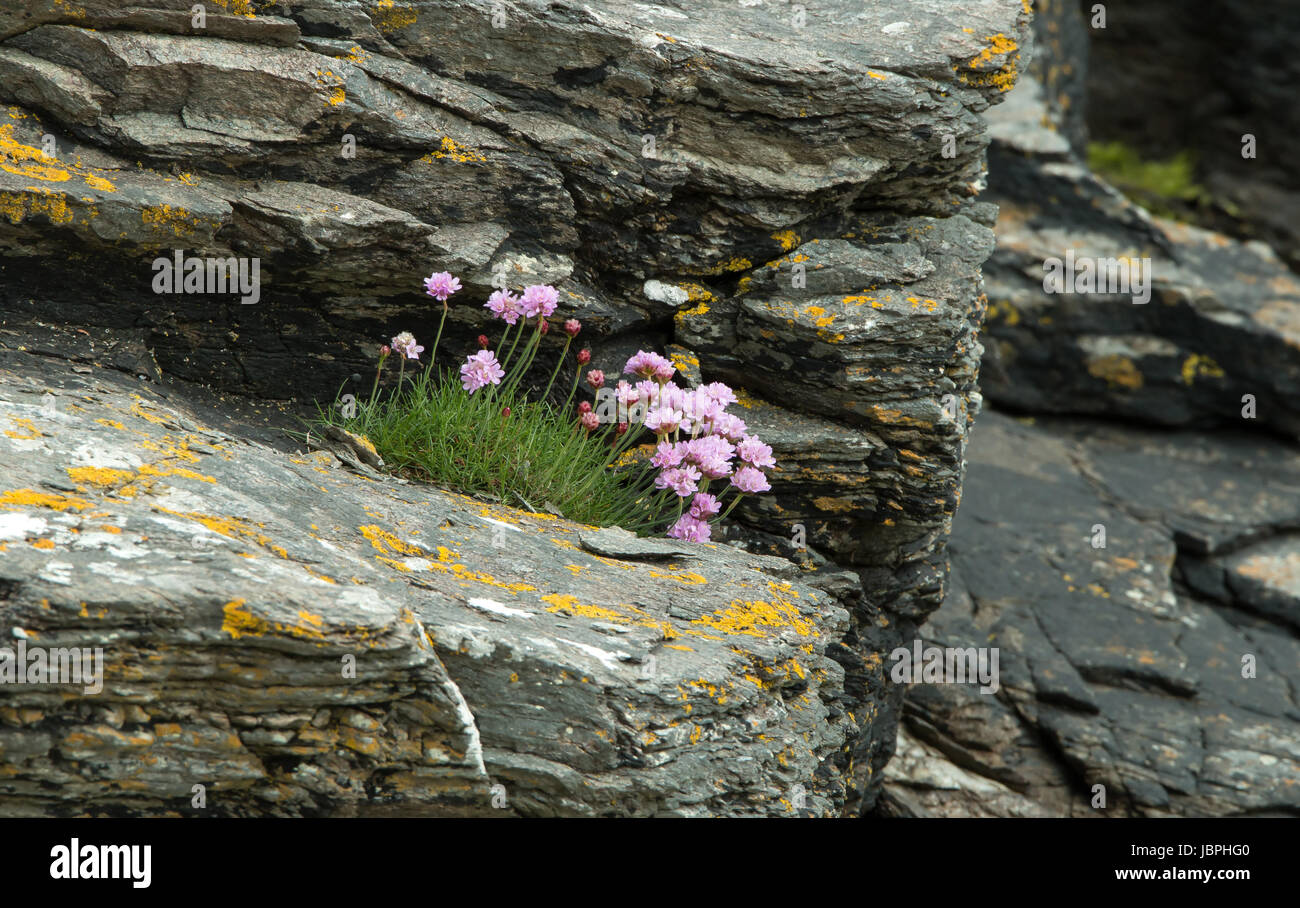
x=535 y=458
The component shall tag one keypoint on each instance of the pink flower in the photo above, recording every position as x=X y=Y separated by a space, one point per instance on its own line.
x=596 y=379
x=663 y=419
x=405 y=345
x=481 y=369
x=730 y=427
x=590 y=421
x=627 y=395
x=719 y=392
x=752 y=450
x=539 y=299
x=712 y=454
x=667 y=454
x=663 y=372
x=572 y=327
x=648 y=392
x=385 y=351
x=584 y=357
x=504 y=305
x=584 y=407
x=441 y=285
x=704 y=506
x=748 y=479
x=682 y=480
x=691 y=529
x=698 y=410
x=650 y=365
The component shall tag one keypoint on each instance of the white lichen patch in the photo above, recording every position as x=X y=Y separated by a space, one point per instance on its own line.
x=497 y=608
x=19 y=526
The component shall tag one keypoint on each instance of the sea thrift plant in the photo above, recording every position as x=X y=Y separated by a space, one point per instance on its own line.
x=670 y=460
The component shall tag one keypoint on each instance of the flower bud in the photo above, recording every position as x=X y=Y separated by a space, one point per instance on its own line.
x=590 y=421
x=596 y=379
x=385 y=351
x=584 y=357
x=572 y=327
x=482 y=341
x=544 y=326
x=584 y=408
x=505 y=414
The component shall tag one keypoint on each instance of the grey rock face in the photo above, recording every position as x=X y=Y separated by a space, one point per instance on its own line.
x=786 y=196
x=300 y=639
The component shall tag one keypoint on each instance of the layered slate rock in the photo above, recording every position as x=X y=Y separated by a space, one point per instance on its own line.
x=670 y=166
x=1116 y=669
x=303 y=639
x=1217 y=342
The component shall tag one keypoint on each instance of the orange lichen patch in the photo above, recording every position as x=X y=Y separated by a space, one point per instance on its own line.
x=696 y=293
x=101 y=477
x=31 y=162
x=755 y=618
x=164 y=218
x=387 y=543
x=687 y=578
x=735 y=263
x=16 y=206
x=26 y=429
x=445 y=561
x=239 y=622
x=389 y=18
x=1116 y=370
x=1198 y=366
x=453 y=150
x=1004 y=77
x=162 y=469
x=681 y=315
x=787 y=238
x=30 y=498
x=43 y=544
x=111 y=423
x=237 y=7
x=332 y=84
x=230 y=527
x=569 y=605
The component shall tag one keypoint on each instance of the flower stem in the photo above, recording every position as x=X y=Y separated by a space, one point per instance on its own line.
x=556 y=371
x=433 y=356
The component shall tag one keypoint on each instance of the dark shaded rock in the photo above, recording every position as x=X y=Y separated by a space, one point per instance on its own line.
x=1166 y=82
x=1111 y=673
x=1216 y=342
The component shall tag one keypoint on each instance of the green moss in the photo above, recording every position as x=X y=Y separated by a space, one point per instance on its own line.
x=1166 y=188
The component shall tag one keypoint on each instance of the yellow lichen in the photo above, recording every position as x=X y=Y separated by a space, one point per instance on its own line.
x=453 y=150
x=1198 y=366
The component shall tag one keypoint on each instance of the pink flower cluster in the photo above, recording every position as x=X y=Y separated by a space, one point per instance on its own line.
x=538 y=300
x=699 y=441
x=480 y=370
